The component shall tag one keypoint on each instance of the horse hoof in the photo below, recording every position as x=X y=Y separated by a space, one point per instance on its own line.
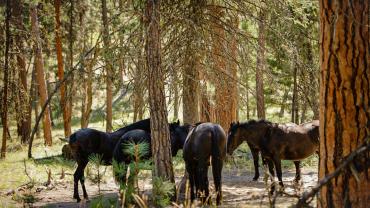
x=255 y=179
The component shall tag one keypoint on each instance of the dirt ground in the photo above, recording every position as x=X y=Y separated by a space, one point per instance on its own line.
x=238 y=190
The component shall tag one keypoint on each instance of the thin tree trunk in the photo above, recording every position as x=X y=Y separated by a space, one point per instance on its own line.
x=40 y=75
x=59 y=48
x=34 y=103
x=161 y=148
x=295 y=92
x=87 y=102
x=313 y=77
x=283 y=104
x=25 y=123
x=4 y=115
x=108 y=67
x=344 y=101
x=261 y=64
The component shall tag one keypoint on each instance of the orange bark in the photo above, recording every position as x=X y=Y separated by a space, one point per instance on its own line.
x=344 y=98
x=225 y=109
x=40 y=75
x=58 y=46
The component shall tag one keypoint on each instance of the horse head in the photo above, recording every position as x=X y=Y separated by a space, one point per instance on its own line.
x=178 y=135
x=233 y=138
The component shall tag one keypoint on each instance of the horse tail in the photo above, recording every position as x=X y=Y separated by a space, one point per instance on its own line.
x=215 y=149
x=217 y=161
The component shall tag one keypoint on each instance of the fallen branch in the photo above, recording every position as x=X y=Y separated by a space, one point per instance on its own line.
x=307 y=195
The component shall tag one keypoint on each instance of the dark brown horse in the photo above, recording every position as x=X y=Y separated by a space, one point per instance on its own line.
x=86 y=142
x=277 y=141
x=204 y=141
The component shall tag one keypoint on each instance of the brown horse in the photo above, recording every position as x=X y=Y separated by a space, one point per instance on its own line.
x=277 y=141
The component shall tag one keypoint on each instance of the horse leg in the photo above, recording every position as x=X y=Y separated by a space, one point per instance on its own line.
x=277 y=163
x=202 y=179
x=217 y=177
x=191 y=181
x=270 y=165
x=76 y=176
x=255 y=155
x=82 y=179
x=297 y=171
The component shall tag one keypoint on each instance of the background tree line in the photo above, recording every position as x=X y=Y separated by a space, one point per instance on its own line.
x=217 y=57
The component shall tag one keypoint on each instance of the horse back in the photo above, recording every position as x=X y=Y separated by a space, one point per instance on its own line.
x=205 y=140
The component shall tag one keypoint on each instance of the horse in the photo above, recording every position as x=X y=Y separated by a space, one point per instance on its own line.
x=255 y=152
x=277 y=142
x=204 y=141
x=177 y=136
x=87 y=141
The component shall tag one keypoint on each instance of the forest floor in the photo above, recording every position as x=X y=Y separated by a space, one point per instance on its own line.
x=23 y=179
x=238 y=190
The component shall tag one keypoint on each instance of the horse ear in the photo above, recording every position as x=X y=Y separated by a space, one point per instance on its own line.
x=178 y=122
x=237 y=123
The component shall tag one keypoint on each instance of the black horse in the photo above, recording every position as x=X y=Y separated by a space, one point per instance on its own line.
x=177 y=135
x=204 y=141
x=277 y=142
x=86 y=142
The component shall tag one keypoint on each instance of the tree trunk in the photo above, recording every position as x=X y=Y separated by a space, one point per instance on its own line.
x=58 y=47
x=139 y=78
x=161 y=148
x=190 y=84
x=261 y=64
x=283 y=104
x=344 y=100
x=295 y=92
x=40 y=75
x=225 y=90
x=4 y=115
x=313 y=77
x=87 y=102
x=108 y=67
x=19 y=36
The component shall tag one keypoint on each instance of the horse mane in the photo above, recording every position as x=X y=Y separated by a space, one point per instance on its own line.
x=252 y=122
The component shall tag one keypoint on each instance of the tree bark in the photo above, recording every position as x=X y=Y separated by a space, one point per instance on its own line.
x=161 y=148
x=108 y=67
x=282 y=105
x=261 y=63
x=225 y=89
x=295 y=91
x=25 y=122
x=4 y=115
x=190 y=84
x=40 y=75
x=58 y=47
x=344 y=99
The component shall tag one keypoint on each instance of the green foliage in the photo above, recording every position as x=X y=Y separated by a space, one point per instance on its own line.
x=136 y=151
x=103 y=202
x=96 y=176
x=163 y=190
x=127 y=174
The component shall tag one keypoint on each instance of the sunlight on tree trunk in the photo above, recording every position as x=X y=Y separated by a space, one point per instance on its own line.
x=160 y=134
x=344 y=100
x=108 y=67
x=261 y=64
x=40 y=74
